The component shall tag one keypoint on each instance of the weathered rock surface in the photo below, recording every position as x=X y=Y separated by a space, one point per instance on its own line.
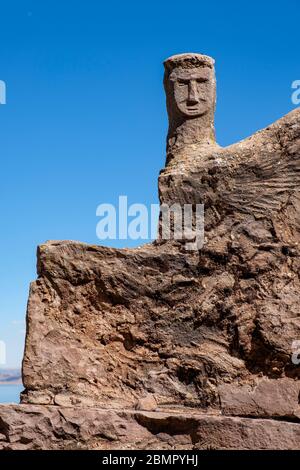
x=33 y=427
x=108 y=327
x=166 y=329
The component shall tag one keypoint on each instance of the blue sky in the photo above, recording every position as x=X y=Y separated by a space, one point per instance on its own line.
x=85 y=118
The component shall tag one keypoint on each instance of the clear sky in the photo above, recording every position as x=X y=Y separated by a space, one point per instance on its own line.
x=85 y=118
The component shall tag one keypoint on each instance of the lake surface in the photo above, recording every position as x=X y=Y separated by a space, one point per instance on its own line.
x=10 y=393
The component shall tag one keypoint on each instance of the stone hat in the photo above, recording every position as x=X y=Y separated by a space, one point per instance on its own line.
x=187 y=61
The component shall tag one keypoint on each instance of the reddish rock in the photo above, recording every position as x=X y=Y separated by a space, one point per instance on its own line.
x=270 y=398
x=36 y=427
x=210 y=329
x=147 y=403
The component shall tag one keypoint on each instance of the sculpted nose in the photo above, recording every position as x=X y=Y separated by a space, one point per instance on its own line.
x=193 y=97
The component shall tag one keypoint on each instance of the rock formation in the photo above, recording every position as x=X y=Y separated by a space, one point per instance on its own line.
x=192 y=344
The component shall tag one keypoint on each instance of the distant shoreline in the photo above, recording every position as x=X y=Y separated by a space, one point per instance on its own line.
x=11 y=382
x=10 y=377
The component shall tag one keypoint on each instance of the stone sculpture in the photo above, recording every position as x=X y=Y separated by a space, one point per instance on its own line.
x=190 y=87
x=195 y=345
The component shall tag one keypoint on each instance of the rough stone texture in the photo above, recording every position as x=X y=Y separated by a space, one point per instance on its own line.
x=162 y=328
x=32 y=427
x=269 y=398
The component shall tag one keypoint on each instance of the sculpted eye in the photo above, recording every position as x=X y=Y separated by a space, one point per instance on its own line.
x=202 y=80
x=181 y=82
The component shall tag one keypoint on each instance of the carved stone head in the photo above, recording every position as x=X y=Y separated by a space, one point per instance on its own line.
x=190 y=87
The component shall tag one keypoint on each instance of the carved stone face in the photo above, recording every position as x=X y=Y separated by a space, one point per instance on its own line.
x=193 y=90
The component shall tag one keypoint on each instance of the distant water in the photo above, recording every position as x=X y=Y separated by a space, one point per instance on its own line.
x=10 y=393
